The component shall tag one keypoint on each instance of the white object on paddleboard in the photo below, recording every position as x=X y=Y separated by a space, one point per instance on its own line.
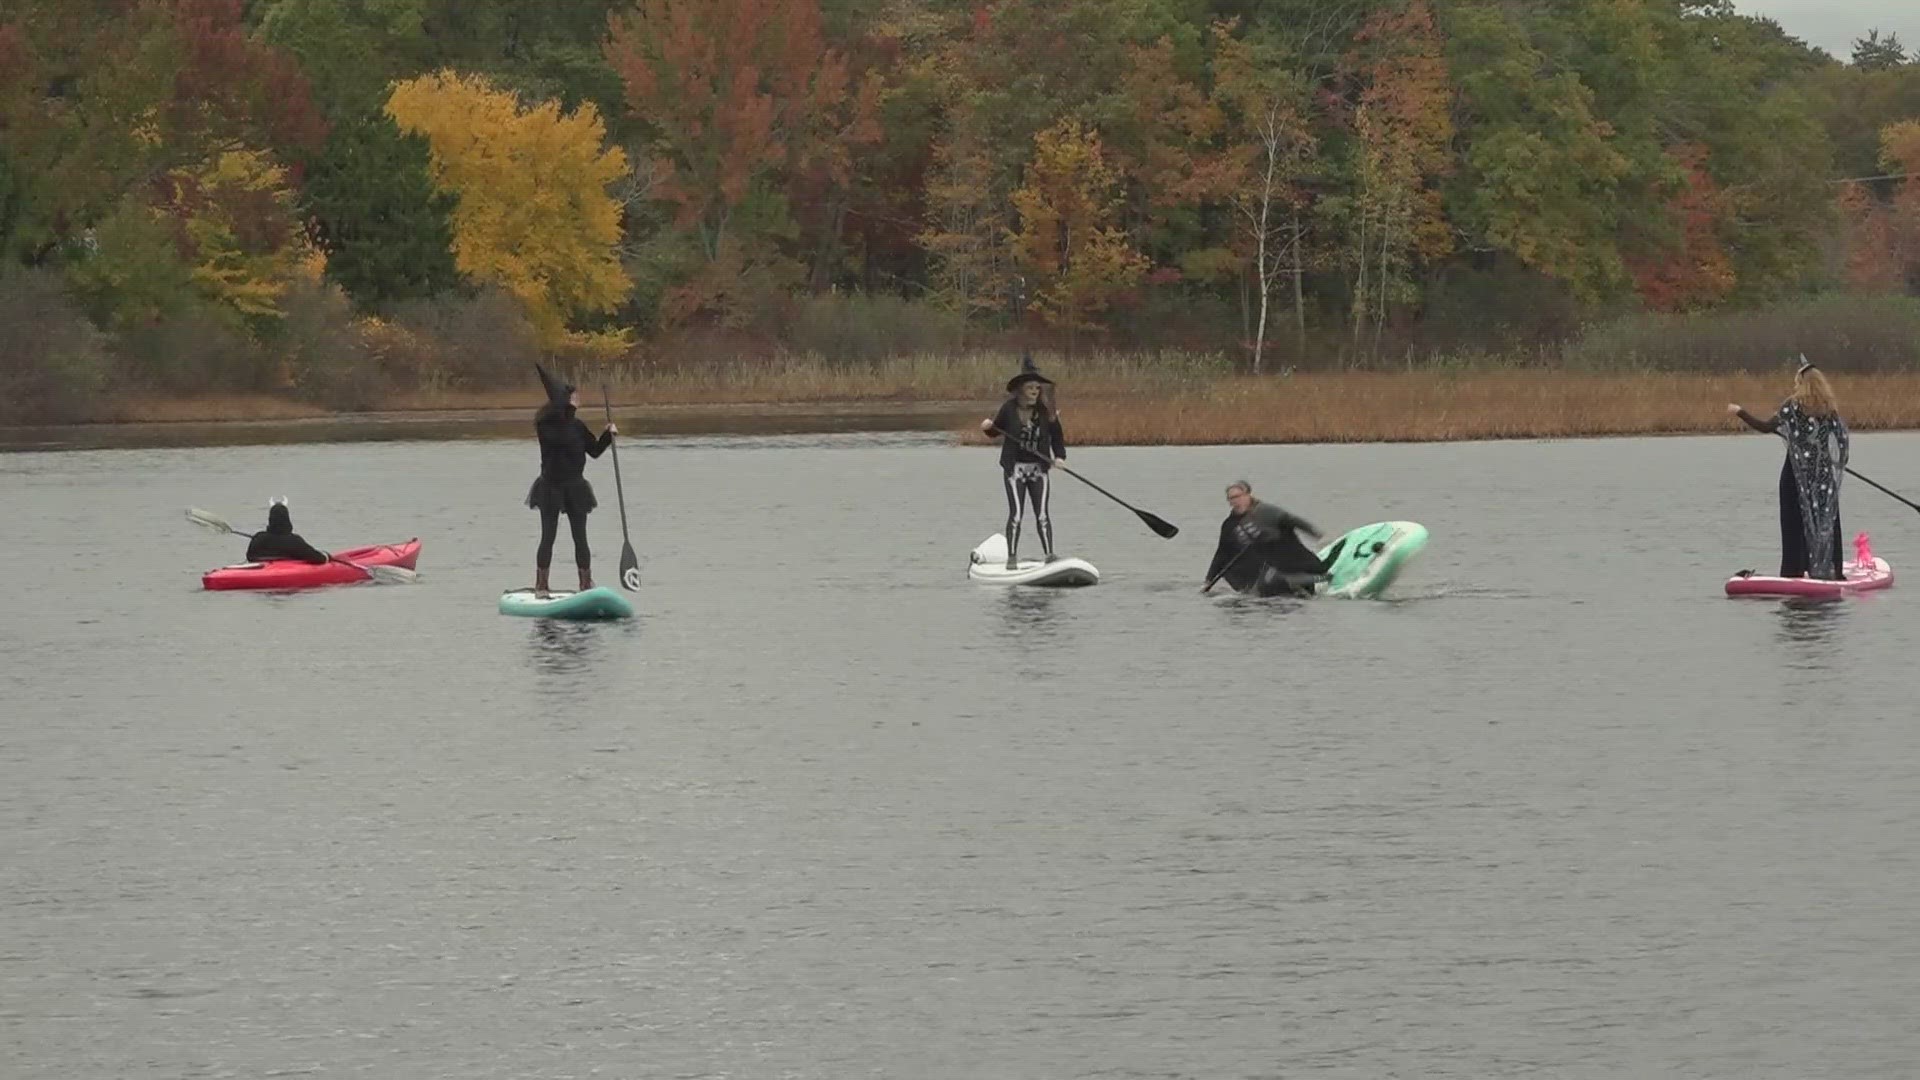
x=988 y=563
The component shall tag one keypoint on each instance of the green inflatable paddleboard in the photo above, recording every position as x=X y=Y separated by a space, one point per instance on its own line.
x=597 y=603
x=1373 y=557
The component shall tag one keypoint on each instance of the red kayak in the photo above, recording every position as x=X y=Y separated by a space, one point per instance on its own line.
x=294 y=574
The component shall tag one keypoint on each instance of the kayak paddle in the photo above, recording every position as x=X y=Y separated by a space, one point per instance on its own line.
x=392 y=575
x=629 y=562
x=1165 y=528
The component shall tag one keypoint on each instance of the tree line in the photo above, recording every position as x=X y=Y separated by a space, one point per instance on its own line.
x=1283 y=177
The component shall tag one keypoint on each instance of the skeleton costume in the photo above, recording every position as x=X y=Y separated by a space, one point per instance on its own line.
x=1817 y=452
x=1030 y=440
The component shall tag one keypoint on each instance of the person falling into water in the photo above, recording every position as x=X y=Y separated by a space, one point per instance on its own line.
x=1817 y=451
x=565 y=445
x=1260 y=549
x=280 y=541
x=1031 y=440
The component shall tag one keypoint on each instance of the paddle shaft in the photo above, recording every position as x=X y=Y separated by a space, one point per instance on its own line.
x=1215 y=579
x=1155 y=522
x=629 y=562
x=613 y=444
x=1896 y=495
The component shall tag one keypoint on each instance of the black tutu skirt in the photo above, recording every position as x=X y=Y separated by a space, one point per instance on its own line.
x=568 y=496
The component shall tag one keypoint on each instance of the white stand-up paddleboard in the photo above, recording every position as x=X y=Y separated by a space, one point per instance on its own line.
x=988 y=563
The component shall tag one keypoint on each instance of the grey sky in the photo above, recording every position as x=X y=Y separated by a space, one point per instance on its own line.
x=1834 y=24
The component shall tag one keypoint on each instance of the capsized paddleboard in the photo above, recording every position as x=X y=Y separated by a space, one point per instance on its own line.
x=988 y=563
x=1373 y=557
x=595 y=603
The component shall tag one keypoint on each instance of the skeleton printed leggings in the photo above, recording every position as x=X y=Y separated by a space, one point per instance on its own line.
x=1028 y=484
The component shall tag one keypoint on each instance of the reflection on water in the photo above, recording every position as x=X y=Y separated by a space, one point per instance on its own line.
x=1029 y=611
x=1808 y=629
x=564 y=647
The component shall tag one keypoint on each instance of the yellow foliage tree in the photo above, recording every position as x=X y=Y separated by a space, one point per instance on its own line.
x=534 y=217
x=1066 y=239
x=243 y=240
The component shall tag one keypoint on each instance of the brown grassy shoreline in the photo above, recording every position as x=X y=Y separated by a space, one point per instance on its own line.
x=1185 y=408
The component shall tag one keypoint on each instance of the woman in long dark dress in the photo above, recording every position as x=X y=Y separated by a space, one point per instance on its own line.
x=1817 y=450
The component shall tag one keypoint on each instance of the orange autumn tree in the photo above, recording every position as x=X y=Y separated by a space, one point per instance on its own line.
x=1067 y=242
x=737 y=97
x=1696 y=271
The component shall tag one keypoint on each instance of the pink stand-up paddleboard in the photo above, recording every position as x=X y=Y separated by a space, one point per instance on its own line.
x=1865 y=574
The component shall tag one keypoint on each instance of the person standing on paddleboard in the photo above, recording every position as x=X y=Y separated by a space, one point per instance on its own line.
x=1031 y=440
x=565 y=444
x=1260 y=549
x=280 y=541
x=1817 y=452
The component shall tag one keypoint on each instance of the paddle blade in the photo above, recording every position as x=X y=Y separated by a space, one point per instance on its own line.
x=629 y=568
x=391 y=575
x=1167 y=529
x=208 y=520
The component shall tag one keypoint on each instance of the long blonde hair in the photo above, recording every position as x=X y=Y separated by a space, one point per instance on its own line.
x=1814 y=393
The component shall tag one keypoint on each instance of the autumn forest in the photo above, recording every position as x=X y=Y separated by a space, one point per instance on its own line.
x=342 y=199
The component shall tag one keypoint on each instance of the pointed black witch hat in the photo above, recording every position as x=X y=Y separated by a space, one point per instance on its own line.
x=1028 y=373
x=558 y=391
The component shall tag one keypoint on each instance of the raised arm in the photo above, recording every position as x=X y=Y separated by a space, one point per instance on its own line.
x=595 y=447
x=1768 y=426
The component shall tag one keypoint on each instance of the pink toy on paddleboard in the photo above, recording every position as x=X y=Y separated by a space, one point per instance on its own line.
x=1864 y=574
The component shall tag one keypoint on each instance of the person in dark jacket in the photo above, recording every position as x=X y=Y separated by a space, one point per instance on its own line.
x=280 y=541
x=1817 y=450
x=1260 y=549
x=1031 y=440
x=565 y=444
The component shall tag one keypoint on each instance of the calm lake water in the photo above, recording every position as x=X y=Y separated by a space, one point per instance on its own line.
x=827 y=809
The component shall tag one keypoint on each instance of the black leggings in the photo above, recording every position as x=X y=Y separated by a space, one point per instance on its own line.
x=550 y=525
x=1023 y=489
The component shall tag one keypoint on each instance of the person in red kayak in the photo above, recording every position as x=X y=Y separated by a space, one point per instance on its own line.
x=280 y=541
x=565 y=445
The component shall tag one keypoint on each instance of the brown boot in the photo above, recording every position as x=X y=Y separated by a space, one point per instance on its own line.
x=540 y=582
x=586 y=579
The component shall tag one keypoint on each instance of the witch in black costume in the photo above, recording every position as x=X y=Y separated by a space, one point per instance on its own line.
x=565 y=444
x=1031 y=440
x=1817 y=451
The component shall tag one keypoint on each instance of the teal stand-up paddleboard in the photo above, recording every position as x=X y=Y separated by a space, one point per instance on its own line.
x=599 y=603
x=1373 y=557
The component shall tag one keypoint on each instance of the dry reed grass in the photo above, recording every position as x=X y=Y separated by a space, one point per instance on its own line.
x=1138 y=401
x=1433 y=408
